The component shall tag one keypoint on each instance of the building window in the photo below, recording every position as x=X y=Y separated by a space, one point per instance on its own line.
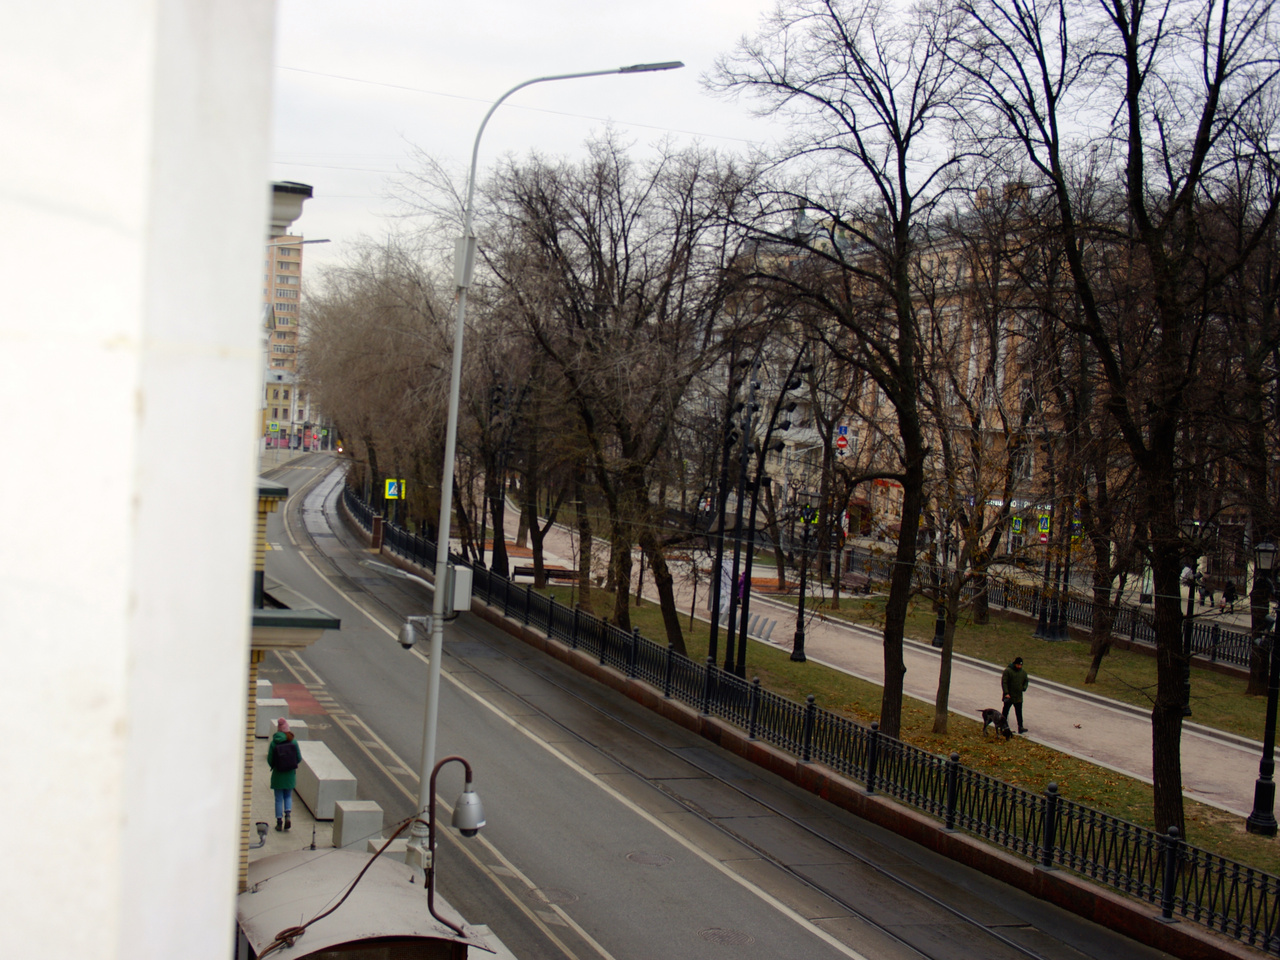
x=286 y=394
x=275 y=394
x=287 y=294
x=287 y=280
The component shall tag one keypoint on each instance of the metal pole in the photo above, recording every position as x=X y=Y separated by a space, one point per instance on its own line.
x=797 y=646
x=464 y=260
x=1263 y=819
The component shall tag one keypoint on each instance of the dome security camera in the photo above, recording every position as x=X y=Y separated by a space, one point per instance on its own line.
x=468 y=812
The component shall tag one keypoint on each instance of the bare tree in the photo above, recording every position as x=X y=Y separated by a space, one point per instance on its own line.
x=1161 y=92
x=371 y=361
x=617 y=268
x=870 y=94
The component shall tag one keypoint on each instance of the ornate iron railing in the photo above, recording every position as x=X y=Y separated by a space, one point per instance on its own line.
x=1158 y=868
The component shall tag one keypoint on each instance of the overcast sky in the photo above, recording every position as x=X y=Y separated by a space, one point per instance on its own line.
x=356 y=85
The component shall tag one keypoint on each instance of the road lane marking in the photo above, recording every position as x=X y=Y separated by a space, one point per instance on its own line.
x=639 y=811
x=715 y=864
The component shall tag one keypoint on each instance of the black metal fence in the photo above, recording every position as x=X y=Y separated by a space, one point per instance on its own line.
x=1217 y=643
x=1160 y=869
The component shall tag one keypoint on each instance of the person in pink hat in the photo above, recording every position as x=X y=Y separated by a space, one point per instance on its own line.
x=283 y=757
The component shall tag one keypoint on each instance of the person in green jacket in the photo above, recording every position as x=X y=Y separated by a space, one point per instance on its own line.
x=1013 y=684
x=283 y=757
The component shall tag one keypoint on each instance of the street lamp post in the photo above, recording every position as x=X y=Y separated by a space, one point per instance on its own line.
x=464 y=261
x=808 y=517
x=468 y=817
x=1263 y=819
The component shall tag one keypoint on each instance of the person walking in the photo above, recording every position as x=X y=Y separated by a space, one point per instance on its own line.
x=1013 y=684
x=1229 y=597
x=283 y=757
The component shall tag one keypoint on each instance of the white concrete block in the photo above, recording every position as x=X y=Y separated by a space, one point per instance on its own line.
x=299 y=728
x=269 y=710
x=396 y=851
x=355 y=821
x=266 y=689
x=323 y=780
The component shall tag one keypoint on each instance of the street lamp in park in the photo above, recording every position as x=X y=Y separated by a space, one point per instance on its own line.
x=1263 y=819
x=464 y=261
x=808 y=517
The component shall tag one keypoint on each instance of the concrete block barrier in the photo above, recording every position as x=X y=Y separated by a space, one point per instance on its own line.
x=299 y=727
x=355 y=821
x=323 y=780
x=269 y=711
x=396 y=851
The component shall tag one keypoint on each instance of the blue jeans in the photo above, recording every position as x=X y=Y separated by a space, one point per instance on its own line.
x=284 y=801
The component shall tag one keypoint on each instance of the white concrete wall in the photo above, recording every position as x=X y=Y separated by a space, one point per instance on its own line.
x=133 y=197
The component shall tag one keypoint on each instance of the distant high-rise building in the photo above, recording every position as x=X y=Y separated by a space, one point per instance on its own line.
x=282 y=285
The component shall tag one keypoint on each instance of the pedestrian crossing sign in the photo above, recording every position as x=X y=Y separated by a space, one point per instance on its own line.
x=1017 y=524
x=395 y=490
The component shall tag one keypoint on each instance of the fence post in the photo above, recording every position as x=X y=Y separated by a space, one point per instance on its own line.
x=1172 y=843
x=1133 y=626
x=806 y=738
x=706 y=685
x=528 y=601
x=1049 y=834
x=873 y=755
x=1215 y=637
x=573 y=634
x=666 y=674
x=753 y=713
x=633 y=652
x=551 y=618
x=953 y=789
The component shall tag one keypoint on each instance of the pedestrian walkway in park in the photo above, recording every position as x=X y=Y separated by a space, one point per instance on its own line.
x=1217 y=768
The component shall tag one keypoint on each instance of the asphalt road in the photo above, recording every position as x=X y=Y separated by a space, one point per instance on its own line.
x=612 y=833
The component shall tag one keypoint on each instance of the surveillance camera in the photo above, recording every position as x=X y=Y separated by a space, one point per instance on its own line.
x=408 y=635
x=468 y=812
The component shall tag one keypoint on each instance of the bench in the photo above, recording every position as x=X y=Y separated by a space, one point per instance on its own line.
x=551 y=573
x=855 y=582
x=323 y=780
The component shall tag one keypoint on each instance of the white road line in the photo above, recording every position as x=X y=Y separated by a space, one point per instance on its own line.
x=766 y=897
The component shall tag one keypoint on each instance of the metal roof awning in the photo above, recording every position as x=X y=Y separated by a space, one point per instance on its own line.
x=289 y=889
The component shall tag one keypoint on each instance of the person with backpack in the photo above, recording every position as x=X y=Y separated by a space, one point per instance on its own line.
x=283 y=757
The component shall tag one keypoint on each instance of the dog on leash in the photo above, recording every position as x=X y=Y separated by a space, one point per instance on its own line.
x=993 y=718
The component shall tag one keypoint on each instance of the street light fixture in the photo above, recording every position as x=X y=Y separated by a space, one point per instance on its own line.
x=464 y=261
x=1263 y=819
x=468 y=818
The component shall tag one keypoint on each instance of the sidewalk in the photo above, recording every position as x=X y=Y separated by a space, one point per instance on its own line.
x=262 y=807
x=1217 y=768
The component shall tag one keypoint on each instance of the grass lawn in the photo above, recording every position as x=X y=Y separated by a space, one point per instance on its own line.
x=1217 y=701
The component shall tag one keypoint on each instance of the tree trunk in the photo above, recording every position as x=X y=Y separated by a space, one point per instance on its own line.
x=1166 y=714
x=900 y=587
x=497 y=506
x=620 y=573
x=941 y=704
x=584 y=543
x=664 y=581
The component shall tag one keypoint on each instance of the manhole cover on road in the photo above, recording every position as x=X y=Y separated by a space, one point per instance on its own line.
x=551 y=895
x=648 y=859
x=730 y=938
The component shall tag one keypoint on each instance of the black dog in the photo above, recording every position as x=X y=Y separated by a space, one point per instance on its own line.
x=993 y=718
